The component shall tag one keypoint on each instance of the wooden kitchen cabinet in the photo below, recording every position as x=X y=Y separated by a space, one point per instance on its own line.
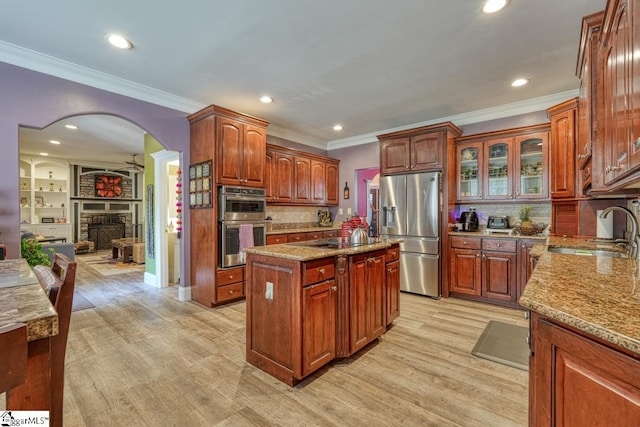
x=563 y=149
x=276 y=239
x=332 y=178
x=367 y=296
x=302 y=174
x=483 y=268
x=511 y=164
x=525 y=263
x=416 y=150
x=589 y=72
x=393 y=283
x=241 y=148
x=576 y=380
x=298 y=178
x=235 y=143
x=318 y=325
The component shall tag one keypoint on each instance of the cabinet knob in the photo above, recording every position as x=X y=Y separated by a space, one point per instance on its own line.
x=464 y=242
x=230 y=292
x=477 y=255
x=582 y=156
x=334 y=288
x=321 y=270
x=230 y=276
x=498 y=245
x=526 y=315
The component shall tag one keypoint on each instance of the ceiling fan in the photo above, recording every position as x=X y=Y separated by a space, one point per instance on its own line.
x=133 y=165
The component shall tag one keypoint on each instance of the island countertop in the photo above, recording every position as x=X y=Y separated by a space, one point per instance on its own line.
x=303 y=253
x=595 y=294
x=22 y=300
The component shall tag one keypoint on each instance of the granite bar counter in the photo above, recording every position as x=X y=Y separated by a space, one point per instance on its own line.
x=22 y=300
x=598 y=295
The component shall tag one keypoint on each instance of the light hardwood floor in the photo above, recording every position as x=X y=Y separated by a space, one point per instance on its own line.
x=141 y=357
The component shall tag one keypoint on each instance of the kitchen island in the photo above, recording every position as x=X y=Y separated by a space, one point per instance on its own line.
x=311 y=302
x=585 y=335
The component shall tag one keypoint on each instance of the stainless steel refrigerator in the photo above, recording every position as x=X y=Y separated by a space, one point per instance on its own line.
x=410 y=208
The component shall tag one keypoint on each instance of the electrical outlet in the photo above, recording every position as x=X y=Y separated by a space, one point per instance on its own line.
x=268 y=293
x=340 y=211
x=348 y=211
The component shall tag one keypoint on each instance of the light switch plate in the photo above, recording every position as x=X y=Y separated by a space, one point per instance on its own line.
x=268 y=293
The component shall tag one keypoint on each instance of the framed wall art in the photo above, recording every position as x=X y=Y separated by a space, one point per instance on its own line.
x=200 y=185
x=108 y=186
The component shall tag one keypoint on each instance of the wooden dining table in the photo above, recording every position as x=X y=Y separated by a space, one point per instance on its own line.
x=22 y=300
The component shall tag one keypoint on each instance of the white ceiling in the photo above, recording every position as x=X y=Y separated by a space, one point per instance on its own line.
x=371 y=65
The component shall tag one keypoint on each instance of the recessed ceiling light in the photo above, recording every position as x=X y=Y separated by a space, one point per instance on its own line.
x=491 y=6
x=519 y=82
x=119 y=41
x=337 y=127
x=71 y=127
x=266 y=99
x=54 y=142
x=44 y=154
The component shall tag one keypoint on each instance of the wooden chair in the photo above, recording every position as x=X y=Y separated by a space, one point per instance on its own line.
x=13 y=356
x=60 y=277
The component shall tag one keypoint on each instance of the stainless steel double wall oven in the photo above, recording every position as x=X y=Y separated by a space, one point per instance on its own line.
x=239 y=205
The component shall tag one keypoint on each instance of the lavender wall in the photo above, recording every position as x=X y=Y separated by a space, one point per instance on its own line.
x=34 y=99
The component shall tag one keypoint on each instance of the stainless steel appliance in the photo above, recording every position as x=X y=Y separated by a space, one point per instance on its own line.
x=410 y=207
x=238 y=206
x=498 y=222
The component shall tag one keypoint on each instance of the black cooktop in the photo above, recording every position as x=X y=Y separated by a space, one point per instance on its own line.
x=335 y=243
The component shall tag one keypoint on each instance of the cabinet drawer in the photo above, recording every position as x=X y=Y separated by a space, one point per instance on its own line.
x=393 y=253
x=230 y=275
x=274 y=239
x=500 y=245
x=329 y=234
x=296 y=237
x=319 y=270
x=227 y=292
x=466 y=242
x=313 y=235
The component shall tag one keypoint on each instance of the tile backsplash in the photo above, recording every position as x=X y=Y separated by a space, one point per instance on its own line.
x=293 y=214
x=541 y=212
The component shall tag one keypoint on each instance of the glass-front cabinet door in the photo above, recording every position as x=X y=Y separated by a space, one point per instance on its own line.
x=498 y=183
x=469 y=167
x=532 y=165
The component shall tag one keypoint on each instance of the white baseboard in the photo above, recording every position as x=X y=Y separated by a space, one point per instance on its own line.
x=150 y=279
x=184 y=293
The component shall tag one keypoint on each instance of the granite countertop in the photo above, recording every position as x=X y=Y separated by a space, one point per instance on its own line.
x=491 y=235
x=22 y=300
x=594 y=294
x=303 y=253
x=303 y=230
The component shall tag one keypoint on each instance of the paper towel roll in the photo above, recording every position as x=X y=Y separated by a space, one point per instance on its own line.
x=604 y=226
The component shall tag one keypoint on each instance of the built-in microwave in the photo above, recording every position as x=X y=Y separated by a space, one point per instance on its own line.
x=242 y=203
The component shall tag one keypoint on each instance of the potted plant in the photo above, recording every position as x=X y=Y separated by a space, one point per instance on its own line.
x=31 y=250
x=525 y=211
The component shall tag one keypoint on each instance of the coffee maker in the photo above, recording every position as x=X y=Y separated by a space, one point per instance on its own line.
x=469 y=220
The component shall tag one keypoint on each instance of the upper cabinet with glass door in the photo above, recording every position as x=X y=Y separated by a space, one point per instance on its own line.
x=505 y=165
x=498 y=182
x=532 y=161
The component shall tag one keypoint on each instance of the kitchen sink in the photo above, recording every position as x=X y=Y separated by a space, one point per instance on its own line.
x=586 y=252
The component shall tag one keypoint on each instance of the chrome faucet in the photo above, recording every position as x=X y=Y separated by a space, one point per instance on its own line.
x=632 y=243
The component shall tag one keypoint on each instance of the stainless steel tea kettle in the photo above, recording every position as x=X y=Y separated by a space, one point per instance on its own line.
x=359 y=236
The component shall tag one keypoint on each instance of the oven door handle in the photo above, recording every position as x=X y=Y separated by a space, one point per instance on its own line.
x=235 y=226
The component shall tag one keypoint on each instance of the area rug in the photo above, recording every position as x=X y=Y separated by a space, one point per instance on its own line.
x=80 y=302
x=108 y=266
x=504 y=343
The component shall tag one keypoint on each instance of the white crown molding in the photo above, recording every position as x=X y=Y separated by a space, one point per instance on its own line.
x=50 y=65
x=493 y=113
x=46 y=64
x=291 y=135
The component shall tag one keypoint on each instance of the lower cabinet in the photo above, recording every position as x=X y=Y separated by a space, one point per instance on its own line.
x=367 y=298
x=318 y=325
x=229 y=285
x=483 y=268
x=393 y=283
x=575 y=380
x=525 y=263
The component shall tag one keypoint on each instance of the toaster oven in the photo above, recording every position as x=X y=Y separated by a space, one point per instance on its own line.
x=498 y=222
